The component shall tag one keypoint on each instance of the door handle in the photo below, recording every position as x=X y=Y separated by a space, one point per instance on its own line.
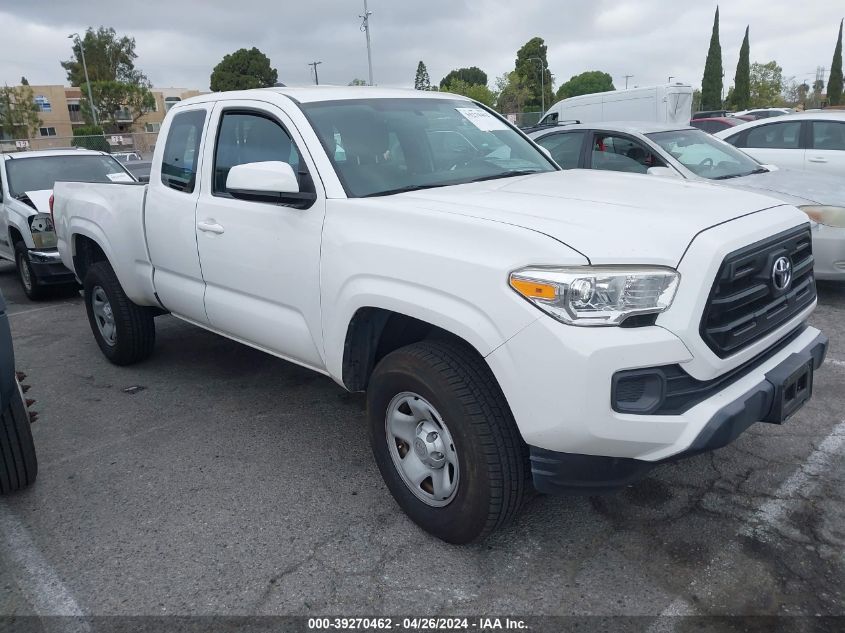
x=817 y=159
x=210 y=226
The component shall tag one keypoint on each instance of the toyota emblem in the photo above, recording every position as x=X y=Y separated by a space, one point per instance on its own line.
x=782 y=273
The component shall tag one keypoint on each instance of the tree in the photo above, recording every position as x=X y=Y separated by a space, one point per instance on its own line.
x=741 y=95
x=511 y=93
x=90 y=137
x=711 y=83
x=107 y=57
x=529 y=68
x=480 y=93
x=357 y=82
x=586 y=83
x=422 y=80
x=242 y=70
x=473 y=75
x=19 y=116
x=766 y=85
x=24 y=81
x=117 y=103
x=834 y=84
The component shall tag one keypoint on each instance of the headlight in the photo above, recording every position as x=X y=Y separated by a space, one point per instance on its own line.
x=829 y=216
x=597 y=295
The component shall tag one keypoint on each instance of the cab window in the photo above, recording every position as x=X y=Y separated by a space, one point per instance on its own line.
x=565 y=147
x=247 y=137
x=621 y=153
x=181 y=151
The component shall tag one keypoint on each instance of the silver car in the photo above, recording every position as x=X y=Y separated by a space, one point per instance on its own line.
x=685 y=152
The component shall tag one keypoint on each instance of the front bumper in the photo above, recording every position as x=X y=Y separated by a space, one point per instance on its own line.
x=48 y=268
x=571 y=473
x=829 y=252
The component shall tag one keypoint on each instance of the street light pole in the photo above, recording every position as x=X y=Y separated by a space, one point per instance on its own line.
x=365 y=26
x=542 y=82
x=627 y=77
x=75 y=36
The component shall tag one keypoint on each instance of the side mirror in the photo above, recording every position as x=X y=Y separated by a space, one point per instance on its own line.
x=546 y=151
x=267 y=181
x=663 y=172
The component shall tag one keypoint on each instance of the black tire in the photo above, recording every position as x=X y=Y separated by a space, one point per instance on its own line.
x=33 y=290
x=493 y=459
x=18 y=464
x=134 y=325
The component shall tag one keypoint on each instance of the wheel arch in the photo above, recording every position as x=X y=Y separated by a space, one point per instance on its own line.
x=374 y=332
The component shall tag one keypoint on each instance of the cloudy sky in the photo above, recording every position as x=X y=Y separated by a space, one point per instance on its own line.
x=180 y=41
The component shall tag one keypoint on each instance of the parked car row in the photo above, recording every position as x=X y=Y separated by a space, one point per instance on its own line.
x=690 y=154
x=514 y=321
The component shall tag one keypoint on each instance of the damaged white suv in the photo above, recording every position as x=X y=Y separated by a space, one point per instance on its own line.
x=26 y=228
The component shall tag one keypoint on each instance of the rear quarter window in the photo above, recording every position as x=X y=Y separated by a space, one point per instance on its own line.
x=181 y=151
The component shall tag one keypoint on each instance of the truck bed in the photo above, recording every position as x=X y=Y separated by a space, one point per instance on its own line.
x=111 y=214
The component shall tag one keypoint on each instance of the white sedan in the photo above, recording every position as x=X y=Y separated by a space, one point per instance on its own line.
x=813 y=141
x=684 y=152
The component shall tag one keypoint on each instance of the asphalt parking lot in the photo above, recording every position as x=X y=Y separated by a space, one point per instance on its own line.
x=215 y=479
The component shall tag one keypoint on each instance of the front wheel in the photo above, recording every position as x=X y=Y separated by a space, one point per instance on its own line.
x=124 y=330
x=29 y=282
x=445 y=441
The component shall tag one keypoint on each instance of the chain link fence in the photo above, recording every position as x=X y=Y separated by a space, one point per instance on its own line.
x=141 y=143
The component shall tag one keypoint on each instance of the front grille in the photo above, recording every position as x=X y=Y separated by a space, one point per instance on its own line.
x=744 y=304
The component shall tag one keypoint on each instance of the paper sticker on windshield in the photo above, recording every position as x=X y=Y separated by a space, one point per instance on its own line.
x=482 y=119
x=119 y=177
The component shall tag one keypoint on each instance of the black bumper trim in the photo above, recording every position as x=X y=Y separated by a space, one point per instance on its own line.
x=50 y=273
x=572 y=473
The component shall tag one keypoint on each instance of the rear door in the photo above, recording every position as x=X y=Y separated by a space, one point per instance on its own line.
x=170 y=215
x=778 y=143
x=6 y=247
x=826 y=148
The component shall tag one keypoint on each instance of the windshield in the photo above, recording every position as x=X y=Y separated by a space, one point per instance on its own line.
x=382 y=146
x=706 y=156
x=42 y=172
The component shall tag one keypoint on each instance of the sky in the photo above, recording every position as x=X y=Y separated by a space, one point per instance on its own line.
x=178 y=42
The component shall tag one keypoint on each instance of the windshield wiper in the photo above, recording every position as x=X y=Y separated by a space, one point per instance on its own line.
x=759 y=170
x=390 y=192
x=506 y=174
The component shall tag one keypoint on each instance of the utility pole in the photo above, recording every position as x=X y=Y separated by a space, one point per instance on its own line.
x=542 y=81
x=627 y=77
x=365 y=26
x=78 y=40
x=316 y=77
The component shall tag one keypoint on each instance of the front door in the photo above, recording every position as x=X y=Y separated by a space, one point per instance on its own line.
x=260 y=260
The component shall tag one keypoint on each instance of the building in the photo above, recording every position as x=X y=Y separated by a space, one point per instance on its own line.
x=60 y=113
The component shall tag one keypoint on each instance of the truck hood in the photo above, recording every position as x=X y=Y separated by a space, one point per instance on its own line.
x=795 y=186
x=610 y=218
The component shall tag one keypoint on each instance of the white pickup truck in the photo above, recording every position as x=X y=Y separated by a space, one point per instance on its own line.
x=513 y=324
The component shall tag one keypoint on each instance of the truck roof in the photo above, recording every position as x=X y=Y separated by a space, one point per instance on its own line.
x=308 y=94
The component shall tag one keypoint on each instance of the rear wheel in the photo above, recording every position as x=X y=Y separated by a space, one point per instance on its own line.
x=29 y=282
x=124 y=330
x=445 y=441
x=18 y=464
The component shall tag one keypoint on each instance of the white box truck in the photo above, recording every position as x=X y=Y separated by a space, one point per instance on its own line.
x=671 y=103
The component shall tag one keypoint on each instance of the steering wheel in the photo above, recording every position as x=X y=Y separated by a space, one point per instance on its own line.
x=707 y=162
